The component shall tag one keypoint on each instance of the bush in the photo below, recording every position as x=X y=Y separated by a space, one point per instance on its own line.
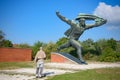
x=117 y=56
x=50 y=47
x=109 y=55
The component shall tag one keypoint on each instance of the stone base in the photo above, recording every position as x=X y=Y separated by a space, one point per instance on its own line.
x=63 y=58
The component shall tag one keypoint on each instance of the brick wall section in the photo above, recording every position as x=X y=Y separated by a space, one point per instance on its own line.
x=55 y=57
x=15 y=54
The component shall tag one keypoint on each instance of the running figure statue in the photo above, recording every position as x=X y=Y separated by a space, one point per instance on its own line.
x=76 y=30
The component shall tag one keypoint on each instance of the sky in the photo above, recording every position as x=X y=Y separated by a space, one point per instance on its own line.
x=29 y=21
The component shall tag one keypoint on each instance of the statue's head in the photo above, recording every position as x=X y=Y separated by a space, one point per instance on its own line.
x=81 y=21
x=80 y=18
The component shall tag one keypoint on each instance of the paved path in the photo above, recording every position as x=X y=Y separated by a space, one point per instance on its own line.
x=83 y=67
x=50 y=70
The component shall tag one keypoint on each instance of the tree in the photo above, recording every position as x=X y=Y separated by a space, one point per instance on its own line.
x=24 y=45
x=108 y=55
x=89 y=50
x=4 y=42
x=7 y=43
x=118 y=46
x=109 y=51
x=50 y=47
x=88 y=44
x=1 y=38
x=61 y=41
x=100 y=45
x=1 y=35
x=36 y=47
x=112 y=43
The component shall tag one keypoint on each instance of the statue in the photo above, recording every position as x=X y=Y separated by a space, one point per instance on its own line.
x=77 y=27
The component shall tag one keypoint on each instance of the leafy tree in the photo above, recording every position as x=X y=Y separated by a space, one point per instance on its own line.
x=110 y=52
x=61 y=41
x=7 y=43
x=50 y=47
x=117 y=56
x=100 y=45
x=88 y=44
x=112 y=43
x=118 y=46
x=1 y=38
x=89 y=49
x=108 y=55
x=1 y=35
x=24 y=45
x=3 y=42
x=36 y=47
x=118 y=51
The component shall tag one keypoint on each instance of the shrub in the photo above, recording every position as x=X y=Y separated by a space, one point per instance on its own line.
x=108 y=55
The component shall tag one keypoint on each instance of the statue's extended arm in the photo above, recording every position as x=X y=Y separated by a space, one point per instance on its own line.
x=63 y=18
x=98 y=21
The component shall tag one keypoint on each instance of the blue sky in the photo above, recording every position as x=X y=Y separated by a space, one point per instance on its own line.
x=29 y=21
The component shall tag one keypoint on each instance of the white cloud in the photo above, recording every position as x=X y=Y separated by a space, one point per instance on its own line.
x=111 y=13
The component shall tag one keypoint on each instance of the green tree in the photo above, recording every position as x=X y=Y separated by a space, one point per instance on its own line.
x=118 y=46
x=109 y=51
x=112 y=43
x=50 y=47
x=61 y=41
x=3 y=41
x=24 y=45
x=118 y=50
x=88 y=44
x=100 y=45
x=36 y=47
x=7 y=43
x=89 y=50
x=108 y=55
x=1 y=37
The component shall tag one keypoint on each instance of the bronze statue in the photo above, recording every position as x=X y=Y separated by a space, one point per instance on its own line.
x=77 y=27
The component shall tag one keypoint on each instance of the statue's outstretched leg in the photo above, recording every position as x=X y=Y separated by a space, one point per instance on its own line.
x=77 y=46
x=67 y=44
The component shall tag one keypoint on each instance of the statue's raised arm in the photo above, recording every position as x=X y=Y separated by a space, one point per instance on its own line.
x=98 y=21
x=64 y=18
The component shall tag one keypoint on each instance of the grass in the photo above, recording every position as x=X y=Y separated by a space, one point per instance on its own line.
x=94 y=74
x=14 y=65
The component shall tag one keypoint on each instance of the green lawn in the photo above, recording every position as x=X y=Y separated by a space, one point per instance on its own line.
x=14 y=65
x=95 y=74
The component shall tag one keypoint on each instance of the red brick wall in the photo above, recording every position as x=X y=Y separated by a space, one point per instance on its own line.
x=15 y=54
